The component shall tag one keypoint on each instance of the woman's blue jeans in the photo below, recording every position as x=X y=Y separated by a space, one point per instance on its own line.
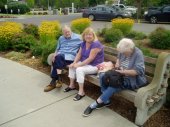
x=107 y=91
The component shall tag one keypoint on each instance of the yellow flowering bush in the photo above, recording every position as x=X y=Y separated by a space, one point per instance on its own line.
x=7 y=31
x=125 y=25
x=49 y=30
x=78 y=25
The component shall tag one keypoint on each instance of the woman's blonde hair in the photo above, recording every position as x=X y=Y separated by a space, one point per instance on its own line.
x=125 y=45
x=89 y=30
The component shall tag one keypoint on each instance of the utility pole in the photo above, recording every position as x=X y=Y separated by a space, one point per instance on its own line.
x=48 y=4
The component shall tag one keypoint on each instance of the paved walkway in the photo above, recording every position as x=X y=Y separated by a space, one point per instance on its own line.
x=24 y=104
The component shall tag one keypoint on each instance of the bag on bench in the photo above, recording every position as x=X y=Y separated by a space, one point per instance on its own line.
x=113 y=78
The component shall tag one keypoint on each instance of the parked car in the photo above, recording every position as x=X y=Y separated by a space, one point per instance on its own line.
x=122 y=10
x=132 y=9
x=80 y=10
x=161 y=14
x=102 y=12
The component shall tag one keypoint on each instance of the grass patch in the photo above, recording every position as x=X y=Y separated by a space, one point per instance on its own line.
x=16 y=56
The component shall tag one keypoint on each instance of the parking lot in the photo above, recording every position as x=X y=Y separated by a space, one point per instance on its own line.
x=144 y=27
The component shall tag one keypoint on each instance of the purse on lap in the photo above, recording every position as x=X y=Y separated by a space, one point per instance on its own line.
x=113 y=78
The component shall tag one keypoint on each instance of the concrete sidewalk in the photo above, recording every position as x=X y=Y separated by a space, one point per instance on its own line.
x=24 y=104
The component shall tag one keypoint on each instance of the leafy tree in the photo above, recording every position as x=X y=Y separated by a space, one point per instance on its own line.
x=30 y=3
x=109 y=2
x=3 y=1
x=96 y=2
x=84 y=3
x=68 y=3
x=146 y=3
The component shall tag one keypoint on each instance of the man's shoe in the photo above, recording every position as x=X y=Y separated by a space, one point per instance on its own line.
x=101 y=105
x=49 y=88
x=59 y=84
x=88 y=111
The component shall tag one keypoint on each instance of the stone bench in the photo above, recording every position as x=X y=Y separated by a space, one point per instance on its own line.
x=149 y=99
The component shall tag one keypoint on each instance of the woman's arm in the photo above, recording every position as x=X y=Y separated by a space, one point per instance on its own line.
x=128 y=72
x=77 y=59
x=78 y=56
x=117 y=65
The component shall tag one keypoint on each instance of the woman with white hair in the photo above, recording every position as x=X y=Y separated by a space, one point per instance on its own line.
x=90 y=54
x=130 y=62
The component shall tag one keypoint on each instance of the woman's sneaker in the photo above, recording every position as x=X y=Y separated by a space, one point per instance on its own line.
x=101 y=105
x=87 y=111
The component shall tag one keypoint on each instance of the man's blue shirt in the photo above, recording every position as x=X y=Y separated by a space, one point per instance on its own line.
x=69 y=47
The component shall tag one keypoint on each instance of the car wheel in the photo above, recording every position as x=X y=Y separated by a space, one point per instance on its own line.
x=91 y=17
x=153 y=19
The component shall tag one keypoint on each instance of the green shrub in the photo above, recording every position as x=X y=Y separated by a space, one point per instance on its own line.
x=31 y=29
x=102 y=31
x=79 y=25
x=125 y=25
x=160 y=38
x=4 y=44
x=22 y=42
x=49 y=31
x=7 y=31
x=75 y=31
x=17 y=5
x=136 y=35
x=58 y=34
x=48 y=48
x=37 y=49
x=29 y=13
x=146 y=51
x=113 y=35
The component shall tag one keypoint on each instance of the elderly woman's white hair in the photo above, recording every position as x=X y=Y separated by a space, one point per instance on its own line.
x=125 y=45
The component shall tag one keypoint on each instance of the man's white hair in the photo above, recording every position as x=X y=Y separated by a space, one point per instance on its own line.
x=125 y=45
x=65 y=27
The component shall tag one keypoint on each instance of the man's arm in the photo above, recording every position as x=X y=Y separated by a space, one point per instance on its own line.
x=56 y=51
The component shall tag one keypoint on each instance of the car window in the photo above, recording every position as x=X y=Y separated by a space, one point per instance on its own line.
x=99 y=9
x=116 y=8
x=166 y=9
x=94 y=9
x=121 y=6
x=109 y=9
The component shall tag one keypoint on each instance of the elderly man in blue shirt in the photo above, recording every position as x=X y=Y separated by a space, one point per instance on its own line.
x=67 y=48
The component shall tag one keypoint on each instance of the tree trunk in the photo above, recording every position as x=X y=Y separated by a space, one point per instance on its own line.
x=139 y=4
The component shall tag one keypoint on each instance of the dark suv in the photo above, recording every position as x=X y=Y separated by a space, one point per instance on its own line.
x=161 y=14
x=102 y=12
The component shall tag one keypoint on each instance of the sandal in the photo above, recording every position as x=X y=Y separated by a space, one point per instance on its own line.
x=78 y=97
x=68 y=89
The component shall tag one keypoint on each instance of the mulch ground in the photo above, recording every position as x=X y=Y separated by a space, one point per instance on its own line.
x=119 y=104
